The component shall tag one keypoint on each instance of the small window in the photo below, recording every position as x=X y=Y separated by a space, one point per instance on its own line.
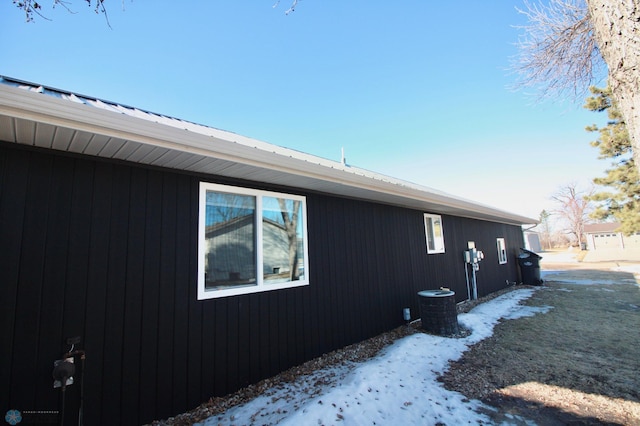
x=250 y=241
x=502 y=251
x=434 y=233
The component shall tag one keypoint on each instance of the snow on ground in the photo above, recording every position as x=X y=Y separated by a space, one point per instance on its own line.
x=399 y=386
x=632 y=269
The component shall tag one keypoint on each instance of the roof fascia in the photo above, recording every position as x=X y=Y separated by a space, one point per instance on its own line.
x=24 y=104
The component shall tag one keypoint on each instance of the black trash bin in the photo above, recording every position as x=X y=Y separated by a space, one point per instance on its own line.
x=438 y=312
x=530 y=267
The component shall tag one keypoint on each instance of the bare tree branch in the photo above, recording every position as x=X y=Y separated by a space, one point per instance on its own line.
x=32 y=7
x=574 y=207
x=558 y=53
x=291 y=9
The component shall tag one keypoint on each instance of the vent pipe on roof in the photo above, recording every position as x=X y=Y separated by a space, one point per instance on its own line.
x=343 y=160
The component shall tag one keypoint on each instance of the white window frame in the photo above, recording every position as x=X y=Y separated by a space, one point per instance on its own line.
x=430 y=233
x=260 y=286
x=501 y=245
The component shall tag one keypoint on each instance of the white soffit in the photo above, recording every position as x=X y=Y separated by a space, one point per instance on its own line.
x=53 y=119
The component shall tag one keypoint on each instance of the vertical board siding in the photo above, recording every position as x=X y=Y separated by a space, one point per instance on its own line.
x=131 y=348
x=115 y=300
x=148 y=361
x=99 y=228
x=166 y=282
x=108 y=252
x=181 y=297
x=13 y=192
x=30 y=306
x=56 y=254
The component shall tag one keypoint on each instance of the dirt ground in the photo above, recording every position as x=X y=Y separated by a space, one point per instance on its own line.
x=577 y=364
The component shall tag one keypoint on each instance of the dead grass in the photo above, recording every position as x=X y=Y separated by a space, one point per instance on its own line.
x=577 y=363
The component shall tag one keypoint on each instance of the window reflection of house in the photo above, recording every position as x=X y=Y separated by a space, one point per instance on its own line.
x=231 y=253
x=275 y=257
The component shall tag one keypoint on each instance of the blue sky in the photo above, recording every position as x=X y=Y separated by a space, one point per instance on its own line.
x=416 y=90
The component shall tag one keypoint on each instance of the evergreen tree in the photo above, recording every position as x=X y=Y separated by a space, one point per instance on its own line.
x=622 y=203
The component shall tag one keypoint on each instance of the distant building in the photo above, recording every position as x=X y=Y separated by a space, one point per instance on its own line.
x=532 y=241
x=604 y=236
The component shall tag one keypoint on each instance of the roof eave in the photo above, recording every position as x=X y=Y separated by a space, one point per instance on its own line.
x=279 y=165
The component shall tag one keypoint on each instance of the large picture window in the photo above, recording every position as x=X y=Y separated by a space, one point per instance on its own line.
x=250 y=241
x=434 y=233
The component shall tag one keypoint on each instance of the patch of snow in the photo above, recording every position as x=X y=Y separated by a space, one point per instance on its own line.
x=587 y=282
x=397 y=386
x=633 y=269
x=528 y=311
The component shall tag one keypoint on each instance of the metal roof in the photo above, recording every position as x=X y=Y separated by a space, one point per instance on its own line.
x=36 y=115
